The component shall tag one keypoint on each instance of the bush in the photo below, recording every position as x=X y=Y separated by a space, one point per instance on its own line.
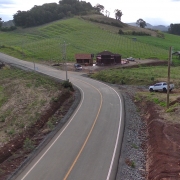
x=68 y=84
x=120 y=32
x=28 y=144
x=160 y=35
x=136 y=33
x=5 y=29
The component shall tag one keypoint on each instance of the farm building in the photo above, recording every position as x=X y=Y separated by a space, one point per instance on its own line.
x=107 y=58
x=84 y=59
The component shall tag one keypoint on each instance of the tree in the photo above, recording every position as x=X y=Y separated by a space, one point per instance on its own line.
x=107 y=13
x=174 y=29
x=1 y=22
x=99 y=8
x=141 y=23
x=118 y=14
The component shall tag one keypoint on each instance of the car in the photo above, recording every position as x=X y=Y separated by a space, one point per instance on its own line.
x=130 y=59
x=161 y=86
x=77 y=66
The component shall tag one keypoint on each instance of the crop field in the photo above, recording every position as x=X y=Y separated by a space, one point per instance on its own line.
x=45 y=43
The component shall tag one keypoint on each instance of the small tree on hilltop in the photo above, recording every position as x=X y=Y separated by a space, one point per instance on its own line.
x=107 y=13
x=118 y=14
x=99 y=8
x=141 y=23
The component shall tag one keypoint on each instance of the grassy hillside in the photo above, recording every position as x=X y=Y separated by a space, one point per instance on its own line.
x=23 y=98
x=81 y=36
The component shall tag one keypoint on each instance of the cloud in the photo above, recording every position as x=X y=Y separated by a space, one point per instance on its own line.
x=4 y=2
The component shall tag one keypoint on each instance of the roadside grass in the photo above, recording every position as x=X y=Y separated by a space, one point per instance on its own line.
x=23 y=97
x=159 y=98
x=138 y=76
x=45 y=43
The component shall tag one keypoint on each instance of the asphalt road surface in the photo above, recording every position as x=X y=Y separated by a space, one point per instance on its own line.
x=88 y=146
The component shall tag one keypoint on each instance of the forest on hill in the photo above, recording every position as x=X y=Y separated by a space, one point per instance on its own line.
x=49 y=12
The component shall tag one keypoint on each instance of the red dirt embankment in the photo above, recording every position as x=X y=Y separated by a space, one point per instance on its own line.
x=163 y=146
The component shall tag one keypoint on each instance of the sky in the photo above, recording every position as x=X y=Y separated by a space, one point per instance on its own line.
x=154 y=12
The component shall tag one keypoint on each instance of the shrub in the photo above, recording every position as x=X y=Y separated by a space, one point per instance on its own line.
x=28 y=144
x=12 y=28
x=120 y=32
x=50 y=125
x=152 y=78
x=67 y=84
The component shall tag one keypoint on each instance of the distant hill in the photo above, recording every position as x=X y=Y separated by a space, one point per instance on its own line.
x=149 y=26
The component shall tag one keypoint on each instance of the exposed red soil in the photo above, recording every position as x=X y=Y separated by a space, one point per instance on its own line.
x=12 y=154
x=163 y=145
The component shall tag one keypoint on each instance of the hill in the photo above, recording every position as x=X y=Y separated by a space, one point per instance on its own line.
x=84 y=35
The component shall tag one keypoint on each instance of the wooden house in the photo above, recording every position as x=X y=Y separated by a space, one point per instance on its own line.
x=107 y=58
x=86 y=59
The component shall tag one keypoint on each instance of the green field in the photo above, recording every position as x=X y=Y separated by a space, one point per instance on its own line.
x=45 y=43
x=138 y=76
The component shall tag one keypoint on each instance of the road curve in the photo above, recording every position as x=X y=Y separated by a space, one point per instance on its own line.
x=88 y=146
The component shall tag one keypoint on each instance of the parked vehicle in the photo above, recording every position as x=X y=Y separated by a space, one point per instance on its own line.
x=161 y=86
x=130 y=59
x=77 y=66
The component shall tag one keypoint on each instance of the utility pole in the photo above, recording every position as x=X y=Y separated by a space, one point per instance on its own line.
x=64 y=58
x=168 y=82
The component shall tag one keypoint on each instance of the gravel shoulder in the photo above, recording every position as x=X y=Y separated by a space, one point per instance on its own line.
x=132 y=162
x=150 y=148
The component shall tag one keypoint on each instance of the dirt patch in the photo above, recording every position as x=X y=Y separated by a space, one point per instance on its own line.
x=163 y=145
x=124 y=64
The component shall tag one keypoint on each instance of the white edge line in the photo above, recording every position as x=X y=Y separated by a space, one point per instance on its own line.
x=117 y=138
x=56 y=138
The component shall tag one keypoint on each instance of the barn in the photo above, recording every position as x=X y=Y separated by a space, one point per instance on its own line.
x=108 y=58
x=86 y=59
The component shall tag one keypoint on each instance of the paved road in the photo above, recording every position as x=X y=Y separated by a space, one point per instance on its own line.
x=88 y=146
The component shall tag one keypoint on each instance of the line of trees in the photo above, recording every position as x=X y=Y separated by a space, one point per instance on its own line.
x=100 y=8
x=174 y=29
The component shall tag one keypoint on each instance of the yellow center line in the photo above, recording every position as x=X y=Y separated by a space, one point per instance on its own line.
x=90 y=132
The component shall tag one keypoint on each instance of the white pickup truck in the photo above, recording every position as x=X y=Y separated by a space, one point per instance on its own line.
x=161 y=86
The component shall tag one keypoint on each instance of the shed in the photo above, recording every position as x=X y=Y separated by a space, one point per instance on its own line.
x=84 y=59
x=107 y=58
